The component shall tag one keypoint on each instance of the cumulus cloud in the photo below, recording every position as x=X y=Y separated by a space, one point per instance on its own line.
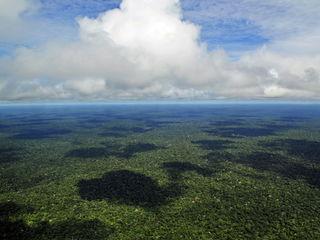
x=145 y=49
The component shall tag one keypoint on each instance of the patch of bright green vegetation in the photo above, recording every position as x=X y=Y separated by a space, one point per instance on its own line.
x=152 y=172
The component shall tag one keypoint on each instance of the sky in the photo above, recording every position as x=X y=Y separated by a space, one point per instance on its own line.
x=159 y=50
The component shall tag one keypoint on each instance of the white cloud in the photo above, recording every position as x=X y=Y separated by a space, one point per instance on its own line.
x=88 y=86
x=12 y=9
x=12 y=25
x=21 y=24
x=145 y=49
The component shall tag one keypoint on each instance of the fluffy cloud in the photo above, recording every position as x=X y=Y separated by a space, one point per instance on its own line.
x=145 y=49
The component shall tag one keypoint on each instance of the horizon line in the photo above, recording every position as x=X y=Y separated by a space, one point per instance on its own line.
x=157 y=102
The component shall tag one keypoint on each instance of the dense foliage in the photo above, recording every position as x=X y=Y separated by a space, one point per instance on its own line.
x=160 y=172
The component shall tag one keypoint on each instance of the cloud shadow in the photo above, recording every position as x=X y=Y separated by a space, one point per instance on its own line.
x=34 y=134
x=243 y=132
x=8 y=155
x=176 y=169
x=308 y=150
x=213 y=144
x=71 y=229
x=115 y=150
x=127 y=187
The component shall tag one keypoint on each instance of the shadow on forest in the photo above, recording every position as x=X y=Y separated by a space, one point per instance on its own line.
x=175 y=169
x=127 y=187
x=2 y=126
x=157 y=124
x=33 y=134
x=71 y=229
x=11 y=209
x=242 y=132
x=227 y=122
x=113 y=150
x=124 y=131
x=213 y=144
x=132 y=149
x=308 y=150
x=8 y=155
x=147 y=125
x=93 y=152
x=271 y=162
x=98 y=120
x=131 y=188
x=34 y=122
x=24 y=124
x=291 y=119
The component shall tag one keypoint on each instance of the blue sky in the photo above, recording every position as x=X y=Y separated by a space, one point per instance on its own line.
x=234 y=35
x=230 y=31
x=159 y=49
